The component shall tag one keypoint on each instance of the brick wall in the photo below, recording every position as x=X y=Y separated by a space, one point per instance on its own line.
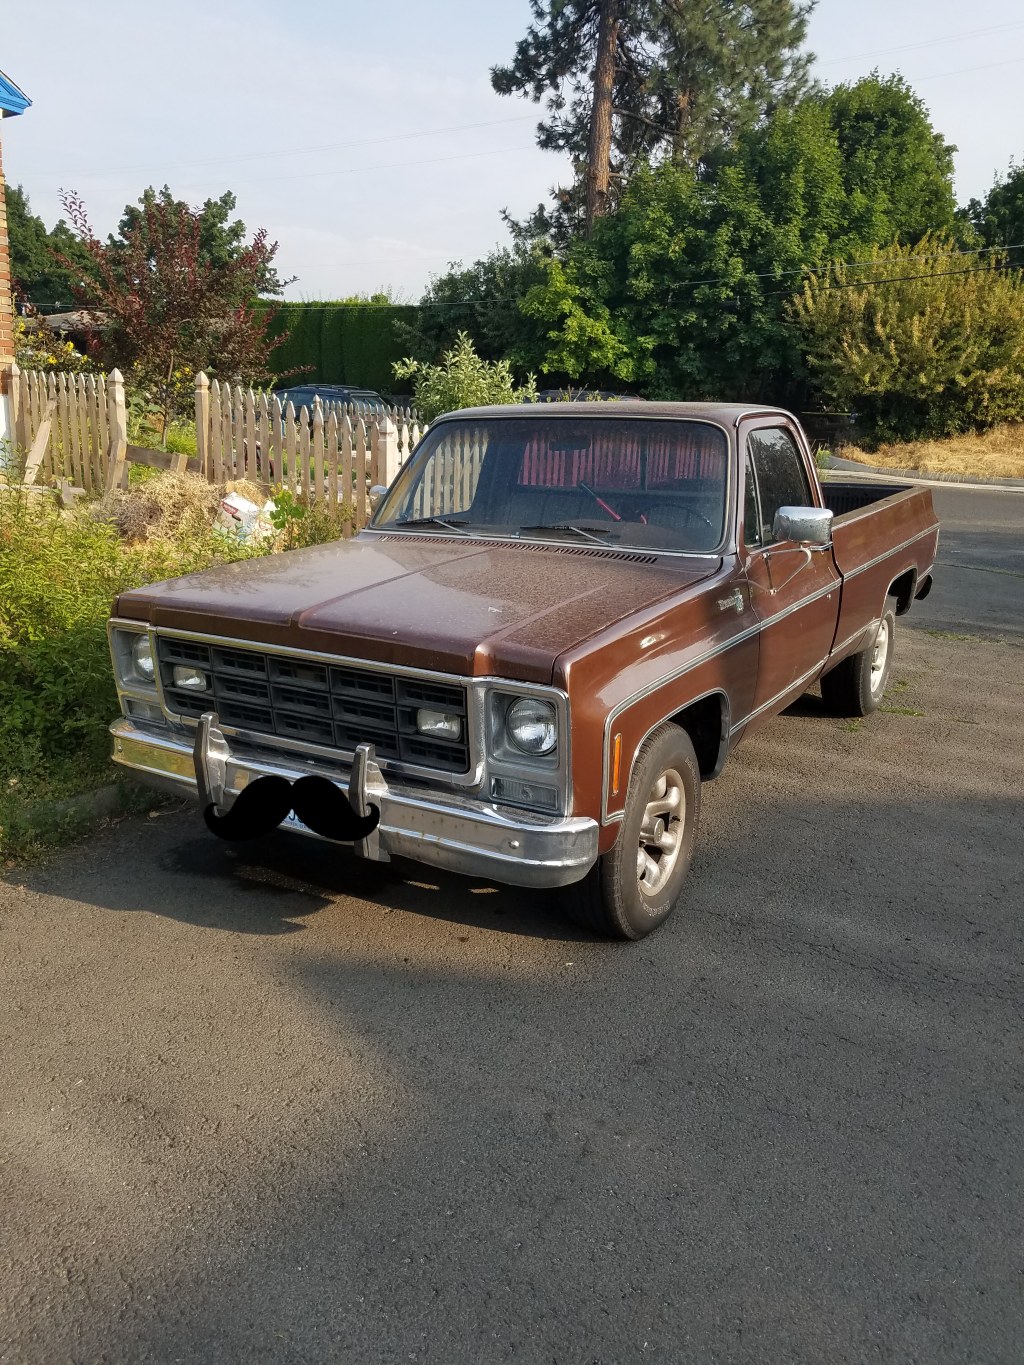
x=6 y=300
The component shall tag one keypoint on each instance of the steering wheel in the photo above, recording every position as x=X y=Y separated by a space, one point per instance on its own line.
x=670 y=520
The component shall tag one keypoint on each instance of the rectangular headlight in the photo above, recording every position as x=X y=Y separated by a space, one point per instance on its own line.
x=192 y=679
x=439 y=724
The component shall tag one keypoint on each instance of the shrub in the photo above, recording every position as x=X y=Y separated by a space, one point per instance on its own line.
x=59 y=575
x=924 y=342
x=462 y=380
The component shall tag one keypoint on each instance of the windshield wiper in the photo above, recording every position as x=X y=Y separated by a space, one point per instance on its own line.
x=592 y=533
x=449 y=523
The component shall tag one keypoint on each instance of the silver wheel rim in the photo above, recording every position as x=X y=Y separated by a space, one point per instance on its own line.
x=661 y=834
x=879 y=657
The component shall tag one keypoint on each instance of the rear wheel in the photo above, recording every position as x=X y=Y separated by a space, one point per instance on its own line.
x=857 y=685
x=635 y=886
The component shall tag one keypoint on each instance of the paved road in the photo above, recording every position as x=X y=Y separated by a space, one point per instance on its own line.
x=274 y=1106
x=981 y=564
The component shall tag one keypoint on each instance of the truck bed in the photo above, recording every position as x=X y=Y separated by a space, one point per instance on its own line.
x=843 y=496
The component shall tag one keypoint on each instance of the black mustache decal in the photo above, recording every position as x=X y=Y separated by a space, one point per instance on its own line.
x=261 y=806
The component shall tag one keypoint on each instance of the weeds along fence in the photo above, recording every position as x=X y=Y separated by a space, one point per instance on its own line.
x=74 y=431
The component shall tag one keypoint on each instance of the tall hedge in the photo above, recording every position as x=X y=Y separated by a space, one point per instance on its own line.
x=339 y=343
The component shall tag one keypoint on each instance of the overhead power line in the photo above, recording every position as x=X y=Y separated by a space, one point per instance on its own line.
x=927 y=42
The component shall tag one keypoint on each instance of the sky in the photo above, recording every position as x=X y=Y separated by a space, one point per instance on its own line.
x=366 y=138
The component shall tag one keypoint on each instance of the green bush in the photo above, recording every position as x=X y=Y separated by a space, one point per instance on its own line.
x=462 y=380
x=922 y=343
x=59 y=575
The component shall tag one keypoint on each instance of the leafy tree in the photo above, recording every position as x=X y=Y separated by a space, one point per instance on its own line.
x=999 y=217
x=923 y=342
x=630 y=80
x=166 y=311
x=898 y=171
x=682 y=290
x=462 y=380
x=38 y=274
x=222 y=240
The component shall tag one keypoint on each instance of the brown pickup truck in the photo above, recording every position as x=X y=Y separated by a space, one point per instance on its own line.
x=557 y=625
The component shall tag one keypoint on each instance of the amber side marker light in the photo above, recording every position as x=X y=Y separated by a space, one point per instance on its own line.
x=616 y=763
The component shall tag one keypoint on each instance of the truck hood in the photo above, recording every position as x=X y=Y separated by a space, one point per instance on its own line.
x=476 y=608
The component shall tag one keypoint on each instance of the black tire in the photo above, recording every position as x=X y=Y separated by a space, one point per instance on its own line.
x=612 y=899
x=857 y=685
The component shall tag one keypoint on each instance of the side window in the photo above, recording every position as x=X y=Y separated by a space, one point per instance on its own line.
x=781 y=477
x=751 y=516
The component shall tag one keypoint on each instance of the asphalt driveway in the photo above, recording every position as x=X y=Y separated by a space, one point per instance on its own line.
x=280 y=1106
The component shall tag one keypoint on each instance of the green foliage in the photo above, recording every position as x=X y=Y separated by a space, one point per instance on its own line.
x=38 y=275
x=897 y=170
x=999 y=217
x=482 y=300
x=683 y=289
x=348 y=341
x=935 y=350
x=60 y=573
x=222 y=240
x=462 y=380
x=688 y=78
x=38 y=347
x=302 y=522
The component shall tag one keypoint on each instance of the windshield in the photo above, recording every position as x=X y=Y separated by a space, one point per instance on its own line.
x=627 y=483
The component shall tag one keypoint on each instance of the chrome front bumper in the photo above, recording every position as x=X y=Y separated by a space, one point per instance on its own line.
x=443 y=829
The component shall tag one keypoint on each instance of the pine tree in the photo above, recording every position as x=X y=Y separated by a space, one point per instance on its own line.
x=626 y=81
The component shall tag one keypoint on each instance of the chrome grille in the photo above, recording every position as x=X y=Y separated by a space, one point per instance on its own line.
x=331 y=705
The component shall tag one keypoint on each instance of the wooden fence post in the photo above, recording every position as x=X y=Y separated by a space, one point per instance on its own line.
x=14 y=405
x=203 y=425
x=388 y=457
x=117 y=428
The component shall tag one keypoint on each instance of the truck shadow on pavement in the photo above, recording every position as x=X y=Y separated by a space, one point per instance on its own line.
x=285 y=878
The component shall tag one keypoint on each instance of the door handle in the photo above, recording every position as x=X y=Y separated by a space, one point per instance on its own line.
x=734 y=600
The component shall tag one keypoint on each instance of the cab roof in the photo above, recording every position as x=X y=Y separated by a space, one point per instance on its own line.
x=723 y=414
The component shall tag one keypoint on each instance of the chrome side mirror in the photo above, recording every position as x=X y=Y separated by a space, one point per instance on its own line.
x=376 y=494
x=805 y=525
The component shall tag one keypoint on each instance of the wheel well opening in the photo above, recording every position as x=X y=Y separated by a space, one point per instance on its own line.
x=705 y=721
x=902 y=589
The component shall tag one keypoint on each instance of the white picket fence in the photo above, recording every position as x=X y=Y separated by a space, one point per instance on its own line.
x=64 y=424
x=323 y=453
x=74 y=429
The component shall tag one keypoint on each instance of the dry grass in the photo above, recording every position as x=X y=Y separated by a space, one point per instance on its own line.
x=994 y=454
x=179 y=505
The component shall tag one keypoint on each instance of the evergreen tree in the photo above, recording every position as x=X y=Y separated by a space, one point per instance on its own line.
x=627 y=81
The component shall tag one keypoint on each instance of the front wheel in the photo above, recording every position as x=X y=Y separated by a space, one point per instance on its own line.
x=856 y=686
x=635 y=886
